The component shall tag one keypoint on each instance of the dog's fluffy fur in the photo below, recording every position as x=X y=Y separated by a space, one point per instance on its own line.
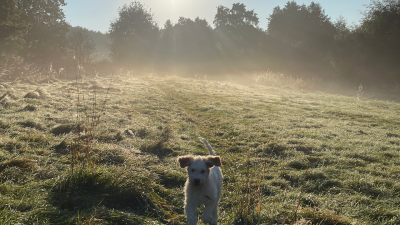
x=203 y=186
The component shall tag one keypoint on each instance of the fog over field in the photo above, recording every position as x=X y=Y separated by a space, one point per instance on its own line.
x=303 y=115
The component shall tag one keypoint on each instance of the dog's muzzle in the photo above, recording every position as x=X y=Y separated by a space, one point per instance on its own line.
x=196 y=182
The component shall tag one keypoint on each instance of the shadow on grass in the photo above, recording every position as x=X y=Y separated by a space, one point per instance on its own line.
x=274 y=149
x=158 y=148
x=172 y=179
x=85 y=189
x=131 y=191
x=323 y=217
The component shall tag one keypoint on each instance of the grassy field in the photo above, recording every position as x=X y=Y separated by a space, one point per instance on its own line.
x=104 y=151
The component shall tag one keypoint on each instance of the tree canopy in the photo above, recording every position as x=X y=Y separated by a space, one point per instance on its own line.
x=11 y=28
x=134 y=35
x=302 y=26
x=237 y=32
x=81 y=44
x=371 y=51
x=34 y=29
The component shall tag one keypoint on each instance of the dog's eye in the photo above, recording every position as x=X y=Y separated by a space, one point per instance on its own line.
x=202 y=171
x=192 y=170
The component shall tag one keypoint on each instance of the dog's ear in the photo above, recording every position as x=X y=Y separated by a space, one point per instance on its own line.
x=185 y=161
x=213 y=161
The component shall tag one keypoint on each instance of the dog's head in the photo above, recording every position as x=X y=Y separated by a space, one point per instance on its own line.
x=198 y=167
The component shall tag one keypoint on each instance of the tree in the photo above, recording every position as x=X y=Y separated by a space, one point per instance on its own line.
x=304 y=27
x=166 y=43
x=370 y=52
x=188 y=44
x=377 y=39
x=34 y=29
x=236 y=16
x=46 y=29
x=194 y=40
x=10 y=28
x=133 y=35
x=239 y=38
x=81 y=44
x=238 y=33
x=343 y=46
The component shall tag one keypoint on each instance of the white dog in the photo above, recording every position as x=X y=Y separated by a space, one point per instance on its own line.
x=203 y=186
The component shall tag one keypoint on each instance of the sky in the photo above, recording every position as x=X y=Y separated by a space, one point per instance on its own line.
x=97 y=14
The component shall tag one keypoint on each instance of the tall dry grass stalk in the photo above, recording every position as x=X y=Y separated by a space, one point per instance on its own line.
x=88 y=117
x=300 y=195
x=248 y=193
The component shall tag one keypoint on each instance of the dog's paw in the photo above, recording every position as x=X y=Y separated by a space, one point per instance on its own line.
x=208 y=220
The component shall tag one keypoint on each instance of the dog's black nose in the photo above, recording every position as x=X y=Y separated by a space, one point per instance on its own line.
x=196 y=181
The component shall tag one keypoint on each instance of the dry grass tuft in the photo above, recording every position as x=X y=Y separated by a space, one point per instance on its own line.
x=4 y=85
x=30 y=108
x=270 y=78
x=32 y=124
x=32 y=94
x=324 y=217
x=42 y=92
x=22 y=163
x=9 y=94
x=8 y=99
x=64 y=129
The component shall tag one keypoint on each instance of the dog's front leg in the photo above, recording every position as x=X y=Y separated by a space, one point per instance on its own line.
x=191 y=214
x=215 y=215
x=208 y=215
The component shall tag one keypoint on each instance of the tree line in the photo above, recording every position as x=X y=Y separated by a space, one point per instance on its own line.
x=300 y=40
